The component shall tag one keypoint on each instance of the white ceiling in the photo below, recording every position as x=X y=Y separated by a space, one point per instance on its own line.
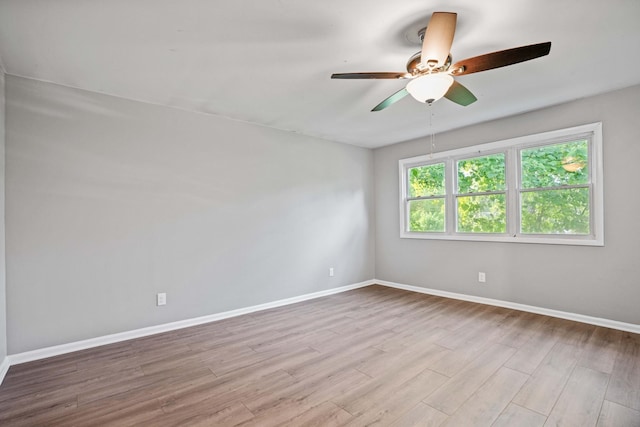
x=269 y=61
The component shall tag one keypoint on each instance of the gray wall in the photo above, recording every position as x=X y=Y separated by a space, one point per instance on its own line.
x=110 y=201
x=596 y=281
x=3 y=303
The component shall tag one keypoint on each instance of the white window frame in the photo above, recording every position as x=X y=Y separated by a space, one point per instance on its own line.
x=511 y=147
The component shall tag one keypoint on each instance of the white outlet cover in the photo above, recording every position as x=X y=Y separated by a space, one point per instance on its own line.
x=161 y=298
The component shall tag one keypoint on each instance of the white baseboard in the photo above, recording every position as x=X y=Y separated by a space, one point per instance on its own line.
x=4 y=368
x=613 y=324
x=28 y=356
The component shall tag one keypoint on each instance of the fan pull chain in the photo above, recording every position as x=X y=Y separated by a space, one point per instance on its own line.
x=432 y=136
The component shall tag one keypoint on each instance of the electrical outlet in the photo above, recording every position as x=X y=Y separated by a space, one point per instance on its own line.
x=482 y=278
x=330 y=271
x=161 y=299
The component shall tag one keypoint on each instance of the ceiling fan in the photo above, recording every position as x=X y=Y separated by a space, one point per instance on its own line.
x=431 y=71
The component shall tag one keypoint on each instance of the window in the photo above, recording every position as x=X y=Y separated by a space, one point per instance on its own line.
x=426 y=202
x=481 y=196
x=554 y=194
x=544 y=188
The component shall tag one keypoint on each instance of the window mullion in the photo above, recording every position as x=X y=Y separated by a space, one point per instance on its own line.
x=481 y=193
x=592 y=177
x=558 y=187
x=437 y=196
x=450 y=185
x=513 y=193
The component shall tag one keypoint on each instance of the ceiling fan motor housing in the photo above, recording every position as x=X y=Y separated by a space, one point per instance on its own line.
x=416 y=67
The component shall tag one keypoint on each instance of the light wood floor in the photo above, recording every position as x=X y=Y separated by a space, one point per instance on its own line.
x=372 y=356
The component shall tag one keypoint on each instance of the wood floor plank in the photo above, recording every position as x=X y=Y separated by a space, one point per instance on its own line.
x=523 y=329
x=398 y=400
x=203 y=416
x=360 y=338
x=515 y=415
x=614 y=415
x=124 y=413
x=220 y=392
x=98 y=387
x=487 y=325
x=624 y=387
x=370 y=356
x=279 y=414
x=549 y=379
x=147 y=387
x=73 y=386
x=580 y=402
x=37 y=410
x=331 y=362
x=422 y=353
x=457 y=316
x=377 y=392
x=421 y=415
x=533 y=352
x=486 y=405
x=41 y=380
x=222 y=356
x=128 y=408
x=312 y=390
x=403 y=339
x=326 y=414
x=264 y=363
x=452 y=362
x=575 y=333
x=341 y=382
x=465 y=383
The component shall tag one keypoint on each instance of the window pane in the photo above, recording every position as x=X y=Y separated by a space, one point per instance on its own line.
x=554 y=165
x=481 y=174
x=482 y=214
x=426 y=180
x=426 y=215
x=555 y=211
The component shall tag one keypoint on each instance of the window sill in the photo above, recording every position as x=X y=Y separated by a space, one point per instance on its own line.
x=502 y=238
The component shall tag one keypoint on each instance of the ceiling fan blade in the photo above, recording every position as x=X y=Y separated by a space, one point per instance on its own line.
x=460 y=94
x=499 y=59
x=390 y=100
x=384 y=75
x=438 y=38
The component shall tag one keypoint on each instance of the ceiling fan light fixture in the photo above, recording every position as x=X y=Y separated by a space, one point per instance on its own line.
x=430 y=87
